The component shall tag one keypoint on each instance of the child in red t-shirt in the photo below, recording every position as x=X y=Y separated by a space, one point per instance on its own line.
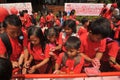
x=12 y=25
x=70 y=61
x=84 y=28
x=104 y=9
x=42 y=20
x=93 y=43
x=38 y=51
x=69 y=29
x=51 y=38
x=108 y=61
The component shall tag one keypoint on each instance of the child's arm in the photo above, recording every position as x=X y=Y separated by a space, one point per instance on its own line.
x=114 y=64
x=28 y=62
x=21 y=60
x=57 y=71
x=99 y=55
x=33 y=68
x=86 y=57
x=26 y=54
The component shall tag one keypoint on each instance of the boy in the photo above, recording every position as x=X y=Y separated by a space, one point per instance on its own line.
x=70 y=61
x=94 y=43
x=12 y=25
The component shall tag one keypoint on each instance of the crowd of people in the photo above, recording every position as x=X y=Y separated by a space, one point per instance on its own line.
x=51 y=44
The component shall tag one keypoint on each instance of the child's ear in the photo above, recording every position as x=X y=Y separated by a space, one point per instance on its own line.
x=48 y=37
x=78 y=51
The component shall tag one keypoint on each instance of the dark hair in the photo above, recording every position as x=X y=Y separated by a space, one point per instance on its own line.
x=12 y=20
x=71 y=24
x=64 y=13
x=21 y=13
x=57 y=29
x=84 y=20
x=72 y=12
x=100 y=26
x=73 y=42
x=5 y=69
x=50 y=32
x=33 y=30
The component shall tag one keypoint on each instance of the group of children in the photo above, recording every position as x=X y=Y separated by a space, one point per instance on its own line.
x=60 y=48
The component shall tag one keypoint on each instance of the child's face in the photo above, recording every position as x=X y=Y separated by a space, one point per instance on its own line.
x=52 y=39
x=95 y=37
x=34 y=40
x=72 y=53
x=87 y=23
x=68 y=30
x=2 y=30
x=13 y=31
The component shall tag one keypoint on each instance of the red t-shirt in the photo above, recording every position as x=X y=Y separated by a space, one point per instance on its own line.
x=48 y=18
x=117 y=31
x=37 y=52
x=57 y=22
x=70 y=64
x=108 y=14
x=82 y=30
x=42 y=22
x=16 y=49
x=112 y=49
x=25 y=39
x=90 y=48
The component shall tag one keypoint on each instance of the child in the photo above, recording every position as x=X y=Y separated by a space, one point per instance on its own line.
x=69 y=29
x=108 y=61
x=70 y=61
x=51 y=35
x=37 y=50
x=93 y=43
x=84 y=28
x=104 y=9
x=12 y=25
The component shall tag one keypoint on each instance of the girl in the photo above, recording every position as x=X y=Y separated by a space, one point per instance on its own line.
x=70 y=61
x=51 y=36
x=84 y=28
x=38 y=54
x=69 y=29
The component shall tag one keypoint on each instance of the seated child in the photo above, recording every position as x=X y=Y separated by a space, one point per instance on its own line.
x=70 y=61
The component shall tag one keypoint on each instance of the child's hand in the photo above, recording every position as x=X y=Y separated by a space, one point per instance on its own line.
x=32 y=69
x=96 y=63
x=15 y=64
x=52 y=49
x=57 y=72
x=51 y=53
x=117 y=67
x=27 y=64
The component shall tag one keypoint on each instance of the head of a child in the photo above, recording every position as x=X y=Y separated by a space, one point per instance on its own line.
x=35 y=35
x=72 y=12
x=5 y=69
x=99 y=29
x=51 y=35
x=69 y=26
x=85 y=21
x=72 y=46
x=12 y=25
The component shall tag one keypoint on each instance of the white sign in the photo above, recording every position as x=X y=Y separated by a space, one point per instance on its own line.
x=18 y=6
x=85 y=9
